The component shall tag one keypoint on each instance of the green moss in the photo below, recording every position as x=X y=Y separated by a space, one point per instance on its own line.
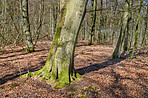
x=72 y=90
x=27 y=75
x=29 y=50
x=24 y=75
x=65 y=12
x=54 y=73
x=14 y=85
x=30 y=74
x=83 y=96
x=58 y=86
x=90 y=88
x=78 y=75
x=61 y=85
x=47 y=75
x=44 y=79
x=39 y=71
x=70 y=95
x=2 y=87
x=84 y=54
x=64 y=76
x=72 y=81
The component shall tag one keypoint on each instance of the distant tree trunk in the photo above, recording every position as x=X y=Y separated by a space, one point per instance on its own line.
x=136 y=31
x=86 y=27
x=145 y=31
x=131 y=37
x=50 y=35
x=125 y=47
x=26 y=27
x=116 y=53
x=125 y=21
x=41 y=14
x=60 y=62
x=54 y=15
x=100 y=23
x=93 y=20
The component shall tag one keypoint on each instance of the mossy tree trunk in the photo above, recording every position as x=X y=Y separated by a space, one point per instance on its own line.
x=93 y=21
x=26 y=26
x=136 y=31
x=59 y=66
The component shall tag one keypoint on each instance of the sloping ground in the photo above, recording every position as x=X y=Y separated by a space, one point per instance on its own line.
x=103 y=77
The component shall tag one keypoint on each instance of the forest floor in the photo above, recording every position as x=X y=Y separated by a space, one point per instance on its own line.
x=103 y=77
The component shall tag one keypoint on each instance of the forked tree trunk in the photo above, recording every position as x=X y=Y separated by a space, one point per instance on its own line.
x=60 y=62
x=26 y=26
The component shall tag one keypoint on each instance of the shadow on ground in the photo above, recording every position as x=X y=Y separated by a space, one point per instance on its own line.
x=95 y=67
x=21 y=53
x=18 y=73
x=82 y=71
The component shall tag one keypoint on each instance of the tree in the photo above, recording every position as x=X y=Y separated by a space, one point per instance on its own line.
x=55 y=6
x=145 y=31
x=100 y=22
x=116 y=53
x=136 y=31
x=126 y=40
x=26 y=26
x=41 y=12
x=60 y=61
x=93 y=20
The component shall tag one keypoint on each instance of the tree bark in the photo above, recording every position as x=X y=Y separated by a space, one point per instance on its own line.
x=93 y=20
x=116 y=53
x=100 y=22
x=26 y=27
x=41 y=15
x=60 y=62
x=136 y=31
x=145 y=34
x=126 y=41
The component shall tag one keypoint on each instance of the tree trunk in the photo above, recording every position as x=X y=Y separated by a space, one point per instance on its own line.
x=116 y=53
x=41 y=14
x=26 y=27
x=145 y=31
x=100 y=23
x=136 y=32
x=54 y=15
x=125 y=47
x=93 y=20
x=60 y=62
